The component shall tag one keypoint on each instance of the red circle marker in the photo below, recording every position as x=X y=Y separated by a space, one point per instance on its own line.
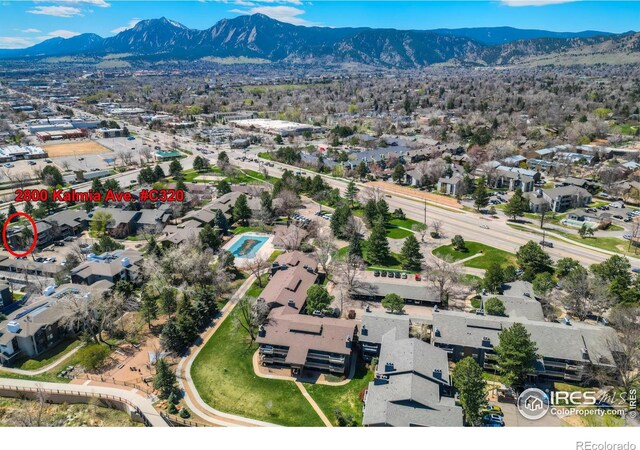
x=4 y=234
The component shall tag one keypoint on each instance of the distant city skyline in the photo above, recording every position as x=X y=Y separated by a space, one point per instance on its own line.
x=25 y=23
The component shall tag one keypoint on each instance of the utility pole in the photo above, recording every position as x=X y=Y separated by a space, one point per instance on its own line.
x=544 y=233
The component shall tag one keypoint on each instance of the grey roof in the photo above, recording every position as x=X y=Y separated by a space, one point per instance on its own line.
x=377 y=324
x=407 y=289
x=70 y=217
x=409 y=400
x=516 y=304
x=517 y=307
x=564 y=191
x=119 y=216
x=554 y=340
x=412 y=355
x=153 y=216
x=410 y=394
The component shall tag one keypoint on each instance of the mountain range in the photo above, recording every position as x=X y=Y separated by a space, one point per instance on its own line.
x=260 y=37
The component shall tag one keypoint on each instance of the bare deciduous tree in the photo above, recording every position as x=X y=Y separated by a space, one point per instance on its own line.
x=250 y=314
x=443 y=275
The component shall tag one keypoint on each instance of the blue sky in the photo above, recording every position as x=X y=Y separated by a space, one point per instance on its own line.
x=24 y=23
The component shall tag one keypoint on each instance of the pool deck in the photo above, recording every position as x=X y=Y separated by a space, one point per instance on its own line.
x=263 y=252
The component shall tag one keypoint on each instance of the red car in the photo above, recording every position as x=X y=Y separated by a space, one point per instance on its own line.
x=418 y=277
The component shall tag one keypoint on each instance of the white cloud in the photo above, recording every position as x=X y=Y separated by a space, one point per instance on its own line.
x=31 y=30
x=57 y=11
x=62 y=33
x=98 y=3
x=132 y=23
x=287 y=14
x=13 y=42
x=534 y=2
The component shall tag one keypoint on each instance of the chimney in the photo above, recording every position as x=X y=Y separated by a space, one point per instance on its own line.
x=437 y=373
x=348 y=341
x=388 y=367
x=566 y=321
x=364 y=330
x=436 y=331
x=291 y=303
x=486 y=341
x=261 y=331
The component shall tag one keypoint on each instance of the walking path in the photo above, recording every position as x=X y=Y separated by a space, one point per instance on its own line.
x=313 y=404
x=142 y=404
x=191 y=396
x=462 y=261
x=44 y=369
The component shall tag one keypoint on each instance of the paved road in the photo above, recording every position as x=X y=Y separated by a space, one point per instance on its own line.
x=499 y=234
x=143 y=404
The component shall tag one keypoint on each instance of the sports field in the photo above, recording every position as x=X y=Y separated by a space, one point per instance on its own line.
x=74 y=148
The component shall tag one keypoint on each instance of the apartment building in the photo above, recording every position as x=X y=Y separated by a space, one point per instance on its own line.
x=412 y=386
x=566 y=350
x=559 y=199
x=299 y=341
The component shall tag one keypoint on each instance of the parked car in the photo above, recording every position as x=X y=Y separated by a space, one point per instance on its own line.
x=383 y=273
x=546 y=244
x=491 y=409
x=418 y=277
x=492 y=418
x=59 y=243
x=131 y=138
x=8 y=165
x=31 y=163
x=618 y=216
x=376 y=273
x=404 y=276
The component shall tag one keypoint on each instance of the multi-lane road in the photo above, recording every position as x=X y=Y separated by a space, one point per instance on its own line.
x=468 y=224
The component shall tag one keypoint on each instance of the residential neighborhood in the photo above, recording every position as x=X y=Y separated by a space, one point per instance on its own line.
x=310 y=223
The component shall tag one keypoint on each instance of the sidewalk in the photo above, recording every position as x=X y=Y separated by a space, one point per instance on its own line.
x=183 y=372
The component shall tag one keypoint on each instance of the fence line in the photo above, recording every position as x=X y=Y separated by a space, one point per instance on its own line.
x=174 y=420
x=98 y=395
x=111 y=380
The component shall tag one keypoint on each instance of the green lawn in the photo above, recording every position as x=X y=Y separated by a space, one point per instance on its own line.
x=223 y=374
x=404 y=223
x=274 y=255
x=49 y=356
x=345 y=398
x=240 y=229
x=490 y=255
x=255 y=290
x=397 y=233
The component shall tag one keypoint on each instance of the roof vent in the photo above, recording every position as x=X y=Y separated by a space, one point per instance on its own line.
x=125 y=262
x=13 y=327
x=261 y=331
x=364 y=331
x=291 y=303
x=585 y=353
x=437 y=332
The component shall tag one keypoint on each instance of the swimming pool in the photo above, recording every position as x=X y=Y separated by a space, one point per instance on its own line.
x=247 y=246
